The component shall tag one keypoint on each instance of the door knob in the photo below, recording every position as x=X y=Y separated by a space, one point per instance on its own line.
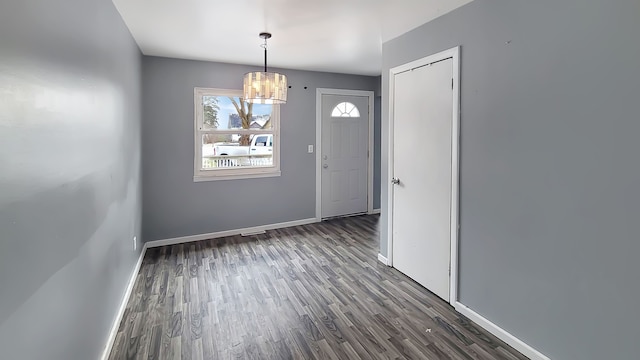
x=395 y=181
x=325 y=166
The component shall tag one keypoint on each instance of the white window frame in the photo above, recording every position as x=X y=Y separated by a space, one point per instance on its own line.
x=200 y=174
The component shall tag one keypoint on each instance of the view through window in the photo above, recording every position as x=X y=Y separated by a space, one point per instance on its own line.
x=234 y=138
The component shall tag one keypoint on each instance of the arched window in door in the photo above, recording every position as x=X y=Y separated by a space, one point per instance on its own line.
x=345 y=109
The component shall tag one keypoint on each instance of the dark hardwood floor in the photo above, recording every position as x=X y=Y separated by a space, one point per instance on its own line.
x=307 y=292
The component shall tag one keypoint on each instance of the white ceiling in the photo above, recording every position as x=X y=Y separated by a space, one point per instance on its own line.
x=342 y=36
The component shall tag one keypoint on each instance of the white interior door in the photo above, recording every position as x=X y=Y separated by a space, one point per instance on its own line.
x=344 y=161
x=422 y=161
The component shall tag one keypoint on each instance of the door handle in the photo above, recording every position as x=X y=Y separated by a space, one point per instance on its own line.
x=325 y=166
x=395 y=181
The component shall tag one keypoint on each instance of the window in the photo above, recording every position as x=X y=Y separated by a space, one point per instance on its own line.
x=234 y=139
x=345 y=109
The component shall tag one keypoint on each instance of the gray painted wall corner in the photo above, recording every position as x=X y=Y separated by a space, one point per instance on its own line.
x=548 y=196
x=70 y=200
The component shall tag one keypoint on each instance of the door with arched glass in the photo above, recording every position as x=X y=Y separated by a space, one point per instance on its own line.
x=344 y=154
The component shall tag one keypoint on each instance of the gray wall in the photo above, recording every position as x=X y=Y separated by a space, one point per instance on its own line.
x=377 y=121
x=377 y=141
x=176 y=206
x=549 y=202
x=69 y=179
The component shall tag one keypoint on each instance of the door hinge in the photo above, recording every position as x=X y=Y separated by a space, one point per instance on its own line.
x=451 y=83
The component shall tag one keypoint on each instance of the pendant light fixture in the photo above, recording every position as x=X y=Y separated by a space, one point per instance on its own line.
x=262 y=87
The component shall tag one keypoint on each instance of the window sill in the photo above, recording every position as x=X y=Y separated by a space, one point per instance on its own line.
x=202 y=178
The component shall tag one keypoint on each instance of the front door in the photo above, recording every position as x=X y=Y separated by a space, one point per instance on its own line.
x=422 y=163
x=344 y=155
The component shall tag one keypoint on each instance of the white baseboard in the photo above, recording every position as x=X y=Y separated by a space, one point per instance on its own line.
x=123 y=305
x=499 y=332
x=249 y=230
x=375 y=211
x=383 y=259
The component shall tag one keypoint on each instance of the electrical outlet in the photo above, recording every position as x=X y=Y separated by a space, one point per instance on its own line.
x=135 y=242
x=310 y=149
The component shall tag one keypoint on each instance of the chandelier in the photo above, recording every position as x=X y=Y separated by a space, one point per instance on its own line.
x=263 y=87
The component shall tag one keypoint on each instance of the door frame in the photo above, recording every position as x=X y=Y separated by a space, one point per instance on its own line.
x=327 y=91
x=454 y=54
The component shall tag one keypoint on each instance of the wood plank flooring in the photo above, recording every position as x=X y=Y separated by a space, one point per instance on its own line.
x=307 y=292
